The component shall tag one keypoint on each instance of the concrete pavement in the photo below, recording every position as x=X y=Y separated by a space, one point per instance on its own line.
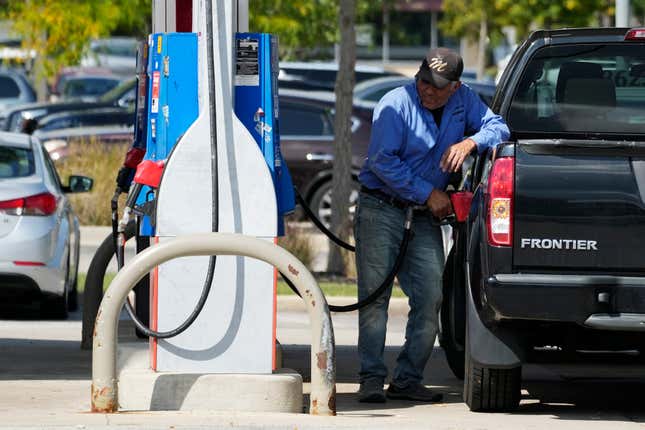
x=45 y=383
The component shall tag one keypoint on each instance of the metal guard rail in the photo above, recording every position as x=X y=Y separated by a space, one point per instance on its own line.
x=323 y=359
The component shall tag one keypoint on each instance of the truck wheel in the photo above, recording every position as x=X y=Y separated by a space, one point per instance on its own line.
x=453 y=318
x=491 y=390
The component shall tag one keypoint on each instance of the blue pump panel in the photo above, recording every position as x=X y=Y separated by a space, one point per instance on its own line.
x=172 y=98
x=256 y=105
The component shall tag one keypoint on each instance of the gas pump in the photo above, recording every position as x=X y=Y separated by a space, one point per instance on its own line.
x=215 y=179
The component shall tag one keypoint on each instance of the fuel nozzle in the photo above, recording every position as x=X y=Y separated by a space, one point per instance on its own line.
x=148 y=173
x=126 y=172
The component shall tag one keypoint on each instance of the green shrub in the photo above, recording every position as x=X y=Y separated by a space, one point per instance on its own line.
x=297 y=243
x=100 y=162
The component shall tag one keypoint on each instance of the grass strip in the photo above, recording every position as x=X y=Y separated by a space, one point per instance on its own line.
x=330 y=289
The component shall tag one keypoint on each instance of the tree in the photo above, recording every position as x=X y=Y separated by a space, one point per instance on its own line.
x=523 y=14
x=59 y=31
x=135 y=18
x=342 y=173
x=300 y=25
x=476 y=20
x=483 y=20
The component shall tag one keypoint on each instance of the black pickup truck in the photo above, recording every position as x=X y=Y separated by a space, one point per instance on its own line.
x=552 y=255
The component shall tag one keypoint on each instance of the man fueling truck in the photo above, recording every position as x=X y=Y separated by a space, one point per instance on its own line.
x=206 y=161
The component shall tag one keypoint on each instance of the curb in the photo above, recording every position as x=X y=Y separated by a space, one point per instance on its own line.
x=398 y=305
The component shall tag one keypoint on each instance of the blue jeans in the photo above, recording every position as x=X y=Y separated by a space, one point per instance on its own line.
x=378 y=230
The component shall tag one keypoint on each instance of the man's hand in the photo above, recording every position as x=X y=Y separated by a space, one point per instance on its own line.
x=455 y=155
x=439 y=204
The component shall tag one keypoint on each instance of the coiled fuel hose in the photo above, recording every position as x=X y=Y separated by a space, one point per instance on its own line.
x=215 y=199
x=407 y=236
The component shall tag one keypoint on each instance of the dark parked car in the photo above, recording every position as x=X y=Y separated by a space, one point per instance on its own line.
x=373 y=89
x=14 y=89
x=322 y=76
x=307 y=137
x=87 y=88
x=86 y=118
x=306 y=140
x=122 y=96
x=55 y=91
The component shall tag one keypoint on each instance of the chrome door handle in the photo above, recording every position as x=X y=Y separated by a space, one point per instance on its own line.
x=319 y=156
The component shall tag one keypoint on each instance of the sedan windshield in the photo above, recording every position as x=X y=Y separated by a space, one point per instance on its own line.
x=593 y=88
x=16 y=162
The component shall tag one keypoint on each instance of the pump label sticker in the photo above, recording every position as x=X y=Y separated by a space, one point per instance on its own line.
x=247 y=67
x=154 y=104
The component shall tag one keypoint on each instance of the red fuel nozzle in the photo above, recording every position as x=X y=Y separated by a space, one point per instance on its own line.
x=134 y=157
x=149 y=173
x=461 y=201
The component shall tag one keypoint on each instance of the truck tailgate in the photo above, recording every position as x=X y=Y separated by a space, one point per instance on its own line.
x=579 y=205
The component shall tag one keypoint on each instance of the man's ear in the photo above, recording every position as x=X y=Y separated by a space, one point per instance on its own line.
x=456 y=86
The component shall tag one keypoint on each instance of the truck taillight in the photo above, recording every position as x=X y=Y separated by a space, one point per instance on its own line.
x=40 y=204
x=500 y=202
x=635 y=34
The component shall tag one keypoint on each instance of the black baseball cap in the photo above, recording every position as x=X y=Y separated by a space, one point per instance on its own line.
x=440 y=67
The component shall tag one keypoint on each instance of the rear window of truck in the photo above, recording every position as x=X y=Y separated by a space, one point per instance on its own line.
x=591 y=88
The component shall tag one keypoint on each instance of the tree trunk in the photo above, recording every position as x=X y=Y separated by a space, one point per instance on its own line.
x=481 y=50
x=342 y=174
x=386 y=33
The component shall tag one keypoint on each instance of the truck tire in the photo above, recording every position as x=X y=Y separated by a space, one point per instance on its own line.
x=491 y=390
x=453 y=320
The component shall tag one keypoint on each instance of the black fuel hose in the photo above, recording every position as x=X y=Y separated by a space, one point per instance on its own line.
x=120 y=252
x=301 y=201
x=407 y=236
x=215 y=198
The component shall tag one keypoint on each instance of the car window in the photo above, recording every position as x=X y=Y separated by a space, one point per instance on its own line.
x=378 y=94
x=58 y=123
x=88 y=87
x=16 y=162
x=582 y=88
x=8 y=88
x=364 y=76
x=128 y=99
x=50 y=170
x=118 y=92
x=304 y=121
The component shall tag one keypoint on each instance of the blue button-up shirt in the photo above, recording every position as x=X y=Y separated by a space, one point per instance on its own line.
x=406 y=145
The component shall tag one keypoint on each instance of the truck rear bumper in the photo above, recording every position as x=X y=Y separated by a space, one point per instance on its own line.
x=568 y=298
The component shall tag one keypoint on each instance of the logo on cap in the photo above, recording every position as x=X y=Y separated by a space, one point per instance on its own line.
x=438 y=64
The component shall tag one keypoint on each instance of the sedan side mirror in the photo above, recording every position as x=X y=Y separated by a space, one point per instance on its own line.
x=79 y=184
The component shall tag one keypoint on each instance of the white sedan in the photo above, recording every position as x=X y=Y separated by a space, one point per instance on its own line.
x=39 y=232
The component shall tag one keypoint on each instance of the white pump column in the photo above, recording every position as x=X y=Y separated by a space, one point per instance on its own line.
x=235 y=332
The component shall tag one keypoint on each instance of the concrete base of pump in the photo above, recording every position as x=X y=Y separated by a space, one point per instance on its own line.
x=142 y=389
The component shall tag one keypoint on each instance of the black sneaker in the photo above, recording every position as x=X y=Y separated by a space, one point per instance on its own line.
x=418 y=392
x=371 y=391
